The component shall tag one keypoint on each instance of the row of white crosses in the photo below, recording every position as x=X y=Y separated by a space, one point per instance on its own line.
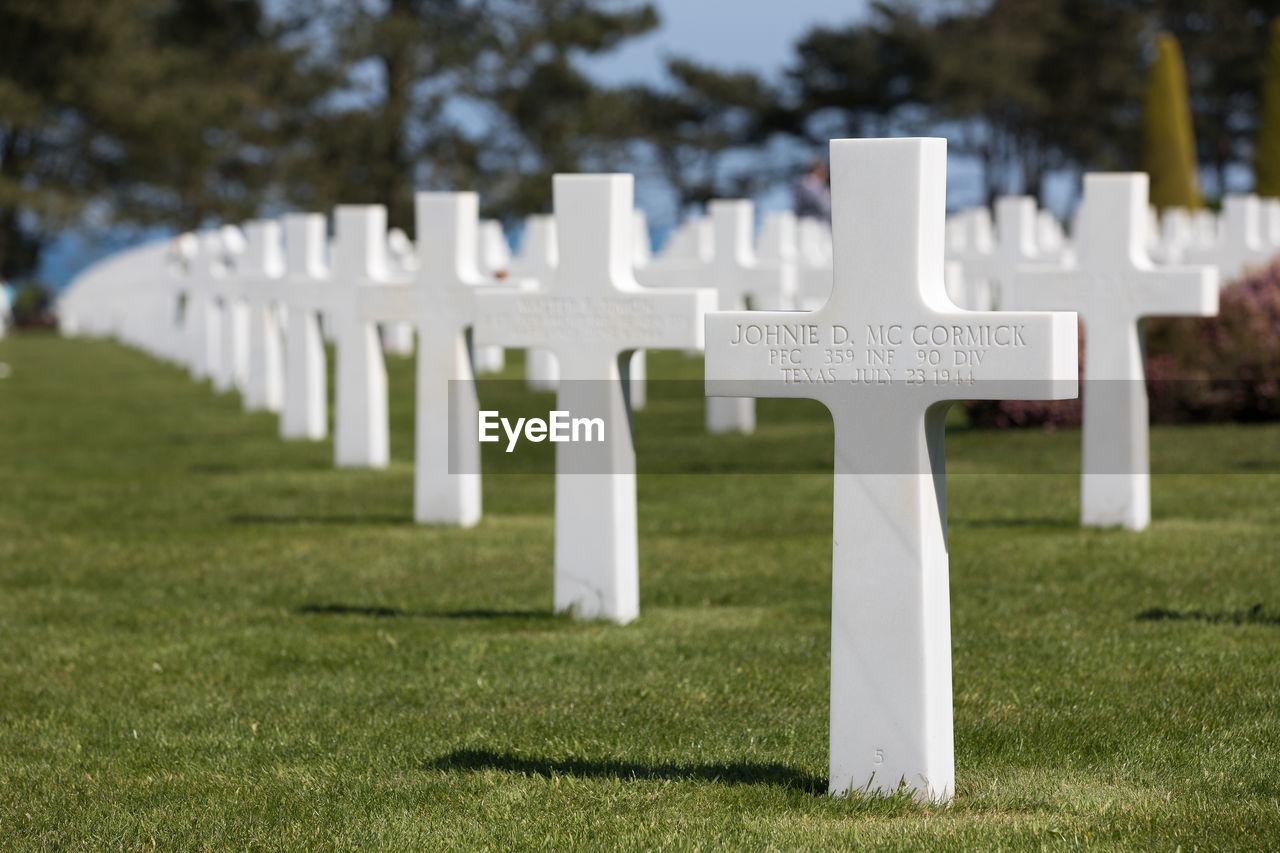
x=737 y=277
x=1244 y=237
x=887 y=352
x=804 y=243
x=589 y=304
x=986 y=258
x=114 y=297
x=1247 y=238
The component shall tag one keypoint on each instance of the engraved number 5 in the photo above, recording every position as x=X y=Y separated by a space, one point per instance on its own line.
x=879 y=756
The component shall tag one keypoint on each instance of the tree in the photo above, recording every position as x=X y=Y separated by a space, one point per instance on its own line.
x=540 y=113
x=1224 y=46
x=1168 y=146
x=1022 y=87
x=377 y=81
x=135 y=110
x=448 y=94
x=691 y=130
x=859 y=80
x=1042 y=86
x=1266 y=152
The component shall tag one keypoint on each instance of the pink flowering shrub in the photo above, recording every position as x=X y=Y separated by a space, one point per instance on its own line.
x=1224 y=368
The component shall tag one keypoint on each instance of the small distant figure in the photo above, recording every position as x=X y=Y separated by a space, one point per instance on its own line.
x=813 y=192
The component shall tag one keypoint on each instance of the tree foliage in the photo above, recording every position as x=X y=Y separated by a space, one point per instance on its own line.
x=1266 y=154
x=1026 y=88
x=151 y=109
x=693 y=130
x=542 y=113
x=1224 y=44
x=1168 y=143
x=184 y=111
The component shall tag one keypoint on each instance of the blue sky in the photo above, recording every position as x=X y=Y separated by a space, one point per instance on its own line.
x=755 y=35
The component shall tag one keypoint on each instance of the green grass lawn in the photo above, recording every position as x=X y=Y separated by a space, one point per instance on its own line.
x=210 y=638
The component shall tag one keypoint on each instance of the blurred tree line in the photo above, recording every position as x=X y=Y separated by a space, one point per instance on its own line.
x=182 y=111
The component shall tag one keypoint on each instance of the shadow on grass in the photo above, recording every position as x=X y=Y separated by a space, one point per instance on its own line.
x=397 y=613
x=1055 y=522
x=737 y=773
x=1266 y=466
x=319 y=519
x=1255 y=615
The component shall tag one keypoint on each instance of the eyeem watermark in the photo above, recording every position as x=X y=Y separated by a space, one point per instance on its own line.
x=559 y=426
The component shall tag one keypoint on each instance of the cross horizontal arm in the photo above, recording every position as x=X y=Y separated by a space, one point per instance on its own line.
x=1177 y=291
x=1148 y=292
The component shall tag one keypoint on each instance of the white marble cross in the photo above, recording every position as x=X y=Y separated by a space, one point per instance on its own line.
x=537 y=262
x=232 y=369
x=973 y=246
x=887 y=355
x=1240 y=246
x=638 y=370
x=1113 y=288
x=780 y=244
x=164 y=337
x=738 y=275
x=203 y=318
x=446 y=403
x=397 y=338
x=493 y=256
x=739 y=278
x=360 y=269
x=1205 y=229
x=1175 y=235
x=1270 y=227
x=1015 y=245
x=692 y=240
x=362 y=292
x=1051 y=242
x=306 y=397
x=592 y=315
x=260 y=273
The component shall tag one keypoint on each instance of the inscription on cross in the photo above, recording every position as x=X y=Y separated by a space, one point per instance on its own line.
x=1114 y=286
x=592 y=315
x=887 y=354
